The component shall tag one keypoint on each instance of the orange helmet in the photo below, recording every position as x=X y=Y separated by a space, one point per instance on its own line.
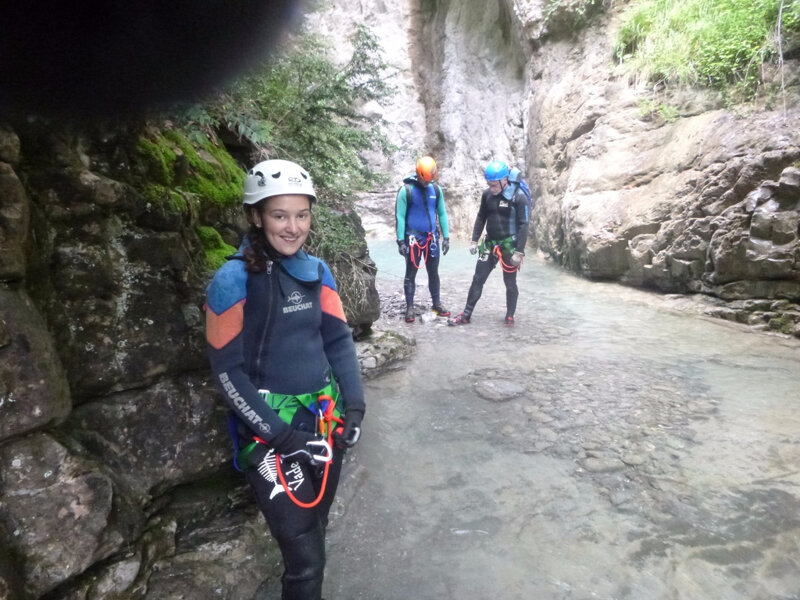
x=426 y=170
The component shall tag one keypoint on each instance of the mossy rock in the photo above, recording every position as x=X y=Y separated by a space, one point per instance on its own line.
x=215 y=249
x=184 y=177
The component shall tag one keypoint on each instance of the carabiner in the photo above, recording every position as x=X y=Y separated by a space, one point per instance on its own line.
x=327 y=451
x=351 y=441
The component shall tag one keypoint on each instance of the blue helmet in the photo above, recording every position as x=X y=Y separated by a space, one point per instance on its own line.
x=496 y=170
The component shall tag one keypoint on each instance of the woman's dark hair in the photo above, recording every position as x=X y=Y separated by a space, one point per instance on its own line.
x=257 y=251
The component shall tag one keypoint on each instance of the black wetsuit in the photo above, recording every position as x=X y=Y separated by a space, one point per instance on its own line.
x=283 y=330
x=506 y=223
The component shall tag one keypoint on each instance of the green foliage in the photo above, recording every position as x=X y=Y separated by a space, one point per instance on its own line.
x=216 y=250
x=332 y=235
x=718 y=43
x=650 y=110
x=339 y=239
x=303 y=107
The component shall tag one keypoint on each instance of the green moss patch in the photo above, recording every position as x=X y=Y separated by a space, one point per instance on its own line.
x=200 y=169
x=215 y=249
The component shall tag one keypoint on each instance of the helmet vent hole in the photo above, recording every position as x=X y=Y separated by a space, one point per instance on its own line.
x=276 y=175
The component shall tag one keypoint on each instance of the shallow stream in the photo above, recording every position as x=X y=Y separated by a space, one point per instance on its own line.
x=603 y=447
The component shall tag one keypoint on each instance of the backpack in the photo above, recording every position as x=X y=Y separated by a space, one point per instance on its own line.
x=515 y=177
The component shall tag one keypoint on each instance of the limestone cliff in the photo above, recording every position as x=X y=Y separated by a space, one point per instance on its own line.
x=113 y=447
x=703 y=202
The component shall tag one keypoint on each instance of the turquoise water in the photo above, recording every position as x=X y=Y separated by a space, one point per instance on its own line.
x=604 y=447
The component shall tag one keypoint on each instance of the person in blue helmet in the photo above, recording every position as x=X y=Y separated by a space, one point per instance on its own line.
x=419 y=216
x=506 y=222
x=284 y=358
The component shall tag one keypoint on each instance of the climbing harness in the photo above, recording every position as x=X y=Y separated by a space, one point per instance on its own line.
x=488 y=246
x=503 y=264
x=325 y=418
x=418 y=253
x=328 y=417
x=286 y=405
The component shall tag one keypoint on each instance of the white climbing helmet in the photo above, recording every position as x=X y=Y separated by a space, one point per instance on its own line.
x=274 y=178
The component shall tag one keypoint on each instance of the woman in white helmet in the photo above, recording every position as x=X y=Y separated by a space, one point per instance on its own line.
x=284 y=357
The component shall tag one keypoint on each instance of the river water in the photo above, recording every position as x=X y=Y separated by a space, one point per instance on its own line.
x=603 y=447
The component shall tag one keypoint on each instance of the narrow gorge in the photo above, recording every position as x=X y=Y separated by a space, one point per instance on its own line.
x=115 y=480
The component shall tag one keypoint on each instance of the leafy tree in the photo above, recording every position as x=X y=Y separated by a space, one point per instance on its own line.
x=302 y=106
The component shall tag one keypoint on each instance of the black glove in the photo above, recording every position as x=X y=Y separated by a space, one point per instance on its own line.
x=445 y=245
x=402 y=248
x=347 y=436
x=292 y=443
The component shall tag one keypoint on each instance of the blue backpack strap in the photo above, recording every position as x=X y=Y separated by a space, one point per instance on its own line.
x=409 y=197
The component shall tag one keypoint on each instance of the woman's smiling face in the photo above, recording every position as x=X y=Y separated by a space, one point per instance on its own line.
x=286 y=221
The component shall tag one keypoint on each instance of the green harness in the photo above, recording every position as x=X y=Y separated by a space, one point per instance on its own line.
x=286 y=406
x=508 y=244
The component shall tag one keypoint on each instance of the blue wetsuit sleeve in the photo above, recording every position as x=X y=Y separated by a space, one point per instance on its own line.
x=226 y=296
x=400 y=208
x=441 y=212
x=340 y=349
x=480 y=219
x=521 y=202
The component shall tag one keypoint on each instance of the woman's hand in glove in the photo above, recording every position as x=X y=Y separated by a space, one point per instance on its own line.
x=292 y=443
x=347 y=435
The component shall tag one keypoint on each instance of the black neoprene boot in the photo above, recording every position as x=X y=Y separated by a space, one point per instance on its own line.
x=304 y=566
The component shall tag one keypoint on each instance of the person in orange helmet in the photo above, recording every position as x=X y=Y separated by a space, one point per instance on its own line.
x=423 y=234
